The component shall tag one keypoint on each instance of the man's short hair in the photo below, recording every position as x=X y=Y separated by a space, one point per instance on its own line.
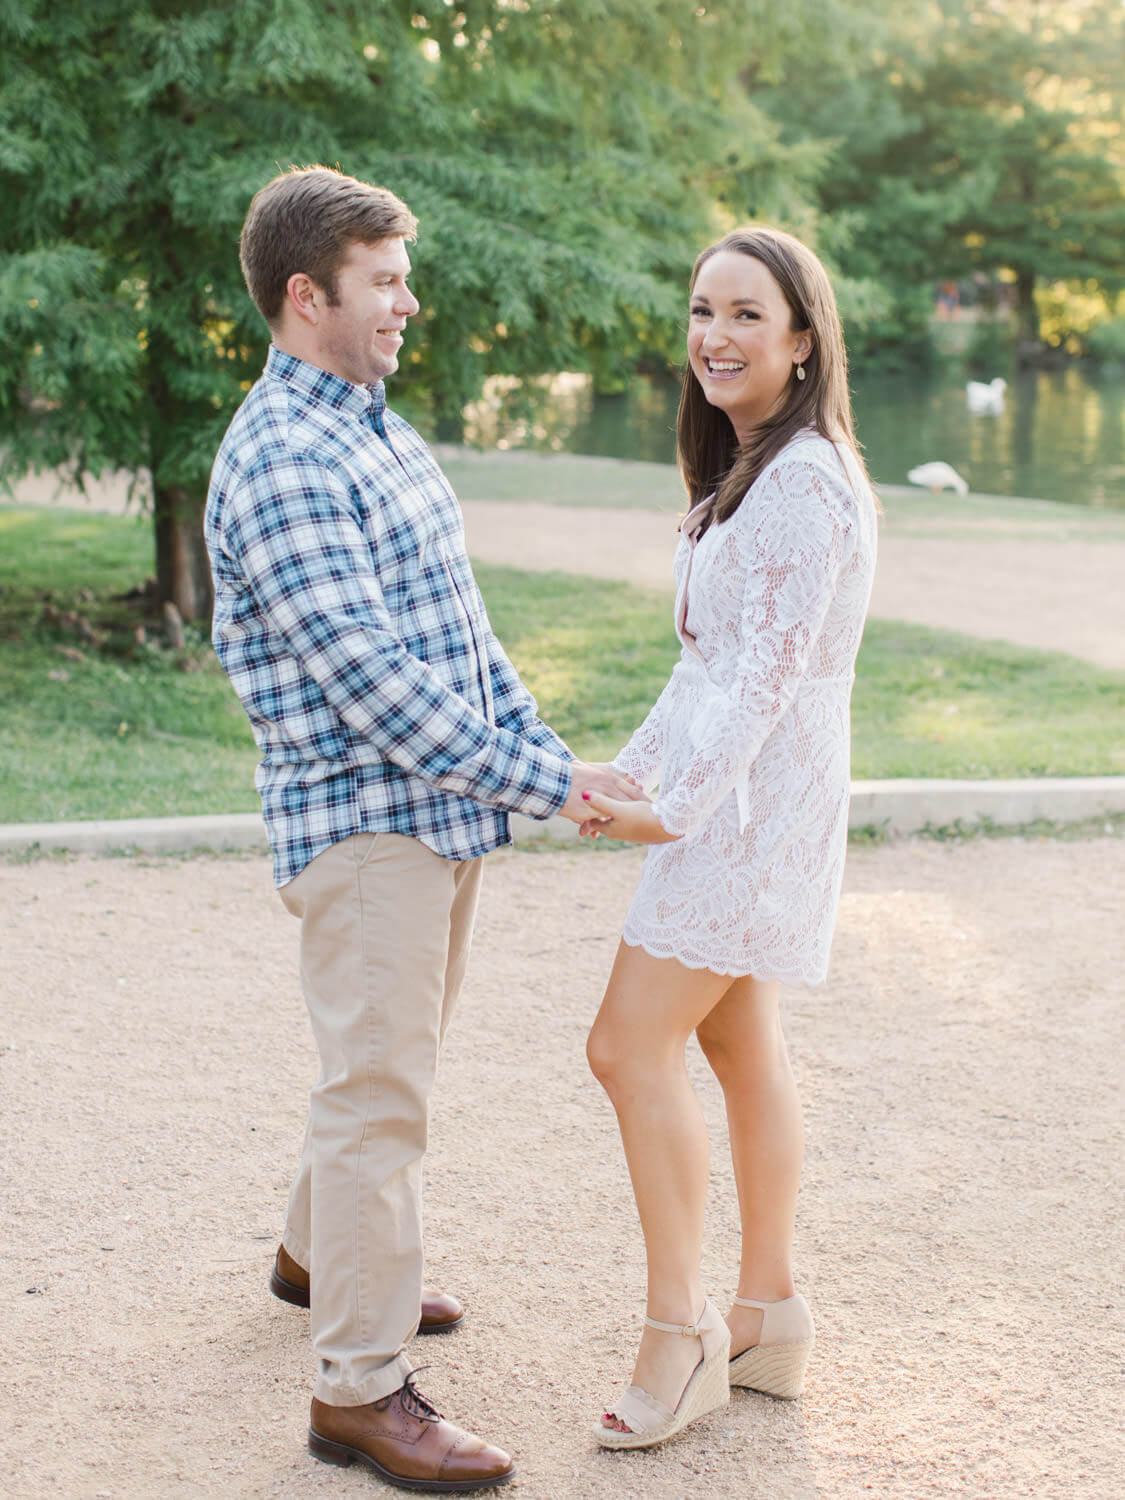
x=305 y=220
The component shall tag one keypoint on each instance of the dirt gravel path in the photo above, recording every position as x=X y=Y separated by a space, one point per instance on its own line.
x=960 y=1225
x=1053 y=596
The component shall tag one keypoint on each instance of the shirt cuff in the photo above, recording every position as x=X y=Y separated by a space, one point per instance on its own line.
x=546 y=787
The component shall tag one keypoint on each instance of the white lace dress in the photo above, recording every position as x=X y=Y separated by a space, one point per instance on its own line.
x=750 y=739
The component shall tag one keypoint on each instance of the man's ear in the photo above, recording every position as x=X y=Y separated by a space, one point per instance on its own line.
x=304 y=297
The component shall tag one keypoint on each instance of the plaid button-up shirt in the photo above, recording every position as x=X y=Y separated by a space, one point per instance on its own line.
x=348 y=619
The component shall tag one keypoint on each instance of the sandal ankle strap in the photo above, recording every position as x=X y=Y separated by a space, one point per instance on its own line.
x=685 y=1330
x=750 y=1302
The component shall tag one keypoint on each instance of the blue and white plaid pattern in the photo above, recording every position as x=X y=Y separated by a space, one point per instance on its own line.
x=348 y=619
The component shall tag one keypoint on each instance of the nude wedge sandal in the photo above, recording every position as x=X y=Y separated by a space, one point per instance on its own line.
x=707 y=1388
x=776 y=1363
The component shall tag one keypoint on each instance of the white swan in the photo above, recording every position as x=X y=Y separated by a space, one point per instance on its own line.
x=938 y=476
x=988 y=398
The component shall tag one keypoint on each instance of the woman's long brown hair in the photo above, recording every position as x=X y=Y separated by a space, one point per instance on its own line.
x=711 y=459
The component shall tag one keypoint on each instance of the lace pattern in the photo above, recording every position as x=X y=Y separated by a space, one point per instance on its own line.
x=749 y=740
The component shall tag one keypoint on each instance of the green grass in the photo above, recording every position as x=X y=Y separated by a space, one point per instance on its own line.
x=1107 y=825
x=934 y=703
x=124 y=731
x=143 y=731
x=595 y=654
x=926 y=703
x=62 y=550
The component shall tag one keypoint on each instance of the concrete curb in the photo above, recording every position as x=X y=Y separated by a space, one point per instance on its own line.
x=901 y=807
x=908 y=806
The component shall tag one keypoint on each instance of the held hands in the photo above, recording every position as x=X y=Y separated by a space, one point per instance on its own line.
x=596 y=778
x=632 y=820
x=601 y=800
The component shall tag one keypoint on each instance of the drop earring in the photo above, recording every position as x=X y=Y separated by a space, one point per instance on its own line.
x=800 y=372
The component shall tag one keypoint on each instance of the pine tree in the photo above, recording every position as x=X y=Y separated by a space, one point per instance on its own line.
x=564 y=160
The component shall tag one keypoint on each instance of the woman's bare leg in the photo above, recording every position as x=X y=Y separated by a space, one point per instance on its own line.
x=742 y=1040
x=636 y=1050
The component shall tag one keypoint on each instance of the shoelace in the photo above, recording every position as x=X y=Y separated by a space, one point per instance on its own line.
x=414 y=1401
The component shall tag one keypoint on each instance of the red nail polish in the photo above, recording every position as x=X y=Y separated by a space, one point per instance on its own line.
x=585 y=796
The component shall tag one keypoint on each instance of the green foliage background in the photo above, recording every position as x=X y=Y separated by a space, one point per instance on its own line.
x=974 y=139
x=563 y=161
x=567 y=158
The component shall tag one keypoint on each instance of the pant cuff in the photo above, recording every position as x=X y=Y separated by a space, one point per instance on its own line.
x=301 y=1253
x=382 y=1382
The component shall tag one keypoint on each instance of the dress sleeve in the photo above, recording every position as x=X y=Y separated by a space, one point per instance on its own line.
x=643 y=756
x=795 y=545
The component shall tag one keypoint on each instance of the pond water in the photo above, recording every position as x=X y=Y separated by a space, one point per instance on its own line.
x=1060 y=436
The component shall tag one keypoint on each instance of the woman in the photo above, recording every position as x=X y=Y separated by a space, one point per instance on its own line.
x=750 y=743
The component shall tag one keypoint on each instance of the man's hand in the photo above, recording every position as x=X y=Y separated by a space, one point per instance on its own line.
x=596 y=778
x=633 y=821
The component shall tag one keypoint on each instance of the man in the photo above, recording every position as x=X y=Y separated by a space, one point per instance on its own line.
x=395 y=739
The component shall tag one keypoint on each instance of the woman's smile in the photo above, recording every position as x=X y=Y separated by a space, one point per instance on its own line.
x=723 y=369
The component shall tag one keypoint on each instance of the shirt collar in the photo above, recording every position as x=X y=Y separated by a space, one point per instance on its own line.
x=316 y=387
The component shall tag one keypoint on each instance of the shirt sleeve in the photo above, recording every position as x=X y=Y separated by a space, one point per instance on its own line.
x=291 y=530
x=795 y=550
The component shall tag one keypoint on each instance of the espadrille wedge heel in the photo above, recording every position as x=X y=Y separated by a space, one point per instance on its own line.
x=776 y=1363
x=649 y=1420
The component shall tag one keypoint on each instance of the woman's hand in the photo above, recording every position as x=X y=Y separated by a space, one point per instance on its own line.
x=596 y=778
x=633 y=821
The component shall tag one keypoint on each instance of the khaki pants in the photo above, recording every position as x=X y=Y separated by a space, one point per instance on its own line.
x=385 y=931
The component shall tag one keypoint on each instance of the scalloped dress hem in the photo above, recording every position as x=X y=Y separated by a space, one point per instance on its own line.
x=729 y=971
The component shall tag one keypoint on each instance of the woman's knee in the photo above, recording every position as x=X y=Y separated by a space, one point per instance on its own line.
x=617 y=1062
x=603 y=1053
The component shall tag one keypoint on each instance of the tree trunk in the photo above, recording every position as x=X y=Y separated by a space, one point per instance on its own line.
x=449 y=423
x=183 y=573
x=1027 y=313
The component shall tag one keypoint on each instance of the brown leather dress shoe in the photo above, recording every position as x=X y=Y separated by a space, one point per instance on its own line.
x=407 y=1442
x=290 y=1282
x=440 y=1312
